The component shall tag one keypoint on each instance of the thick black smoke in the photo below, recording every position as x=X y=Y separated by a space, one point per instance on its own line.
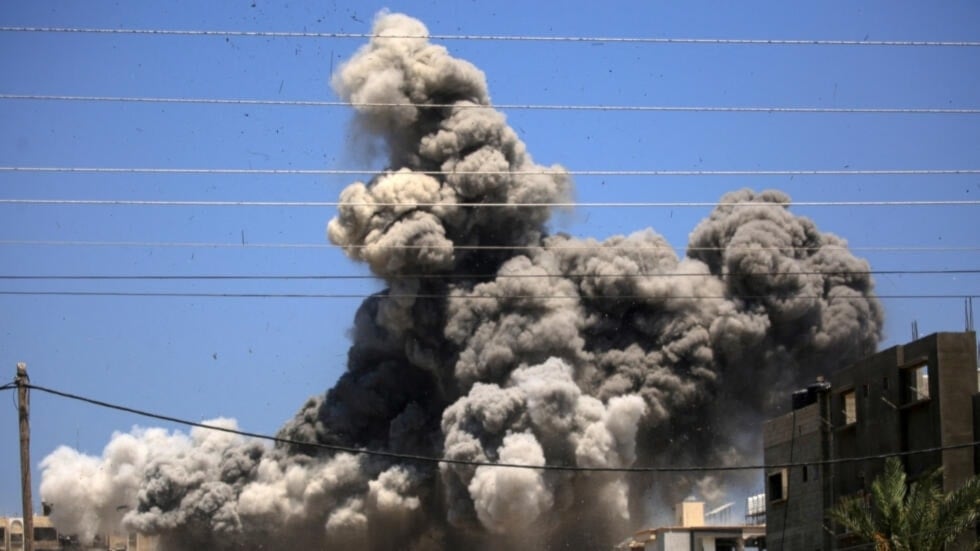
x=497 y=342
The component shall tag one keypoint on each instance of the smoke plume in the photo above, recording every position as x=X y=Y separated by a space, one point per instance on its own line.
x=498 y=342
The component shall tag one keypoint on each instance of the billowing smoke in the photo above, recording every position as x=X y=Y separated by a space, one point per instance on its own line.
x=499 y=343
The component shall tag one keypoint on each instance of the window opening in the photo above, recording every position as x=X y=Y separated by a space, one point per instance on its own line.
x=777 y=485
x=917 y=383
x=849 y=404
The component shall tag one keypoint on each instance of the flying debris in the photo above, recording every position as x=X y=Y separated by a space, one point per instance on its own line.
x=623 y=370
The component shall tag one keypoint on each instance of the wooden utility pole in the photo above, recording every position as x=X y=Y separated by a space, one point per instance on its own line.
x=23 y=409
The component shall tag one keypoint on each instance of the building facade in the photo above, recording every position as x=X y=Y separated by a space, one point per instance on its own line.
x=920 y=395
x=47 y=538
x=12 y=534
x=691 y=532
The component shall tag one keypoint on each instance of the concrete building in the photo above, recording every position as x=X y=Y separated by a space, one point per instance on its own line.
x=131 y=542
x=910 y=397
x=797 y=498
x=690 y=533
x=12 y=534
x=47 y=538
x=116 y=542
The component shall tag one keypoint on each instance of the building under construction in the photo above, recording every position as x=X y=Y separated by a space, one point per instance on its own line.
x=916 y=396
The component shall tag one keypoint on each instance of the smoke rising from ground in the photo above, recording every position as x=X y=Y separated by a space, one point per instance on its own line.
x=497 y=342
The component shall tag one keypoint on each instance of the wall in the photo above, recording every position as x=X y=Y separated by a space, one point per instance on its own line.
x=889 y=418
x=797 y=437
x=674 y=541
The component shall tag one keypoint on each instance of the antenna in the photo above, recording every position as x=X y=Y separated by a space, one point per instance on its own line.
x=915 y=330
x=968 y=312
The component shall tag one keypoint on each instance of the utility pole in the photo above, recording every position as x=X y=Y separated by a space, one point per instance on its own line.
x=23 y=409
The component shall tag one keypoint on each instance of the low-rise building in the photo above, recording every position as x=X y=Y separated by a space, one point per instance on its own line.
x=917 y=396
x=12 y=534
x=47 y=538
x=690 y=533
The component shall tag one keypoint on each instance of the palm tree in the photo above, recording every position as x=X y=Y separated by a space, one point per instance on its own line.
x=916 y=517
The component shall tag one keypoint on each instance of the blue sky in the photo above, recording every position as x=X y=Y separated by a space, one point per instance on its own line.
x=258 y=359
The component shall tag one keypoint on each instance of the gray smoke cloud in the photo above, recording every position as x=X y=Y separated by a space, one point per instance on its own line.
x=498 y=342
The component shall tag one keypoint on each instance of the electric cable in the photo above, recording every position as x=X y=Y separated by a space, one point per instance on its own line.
x=638 y=204
x=433 y=296
x=499 y=106
x=451 y=276
x=499 y=38
x=430 y=459
x=535 y=172
x=260 y=245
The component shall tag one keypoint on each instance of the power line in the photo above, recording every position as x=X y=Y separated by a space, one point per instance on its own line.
x=536 y=172
x=316 y=277
x=502 y=38
x=502 y=106
x=430 y=459
x=440 y=296
x=165 y=244
x=620 y=247
x=638 y=204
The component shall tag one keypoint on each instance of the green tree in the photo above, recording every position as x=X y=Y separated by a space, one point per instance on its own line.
x=910 y=517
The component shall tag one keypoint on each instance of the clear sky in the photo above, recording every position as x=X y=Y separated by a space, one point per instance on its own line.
x=258 y=359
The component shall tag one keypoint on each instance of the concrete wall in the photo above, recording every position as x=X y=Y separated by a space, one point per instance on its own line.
x=976 y=431
x=674 y=541
x=797 y=521
x=889 y=418
x=957 y=384
x=707 y=543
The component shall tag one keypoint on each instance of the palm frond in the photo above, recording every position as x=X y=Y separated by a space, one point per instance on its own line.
x=910 y=517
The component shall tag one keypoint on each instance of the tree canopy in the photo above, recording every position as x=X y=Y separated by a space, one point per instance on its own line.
x=910 y=517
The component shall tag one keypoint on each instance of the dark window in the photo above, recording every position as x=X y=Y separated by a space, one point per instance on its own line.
x=865 y=390
x=884 y=383
x=45 y=534
x=806 y=473
x=17 y=534
x=777 y=485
